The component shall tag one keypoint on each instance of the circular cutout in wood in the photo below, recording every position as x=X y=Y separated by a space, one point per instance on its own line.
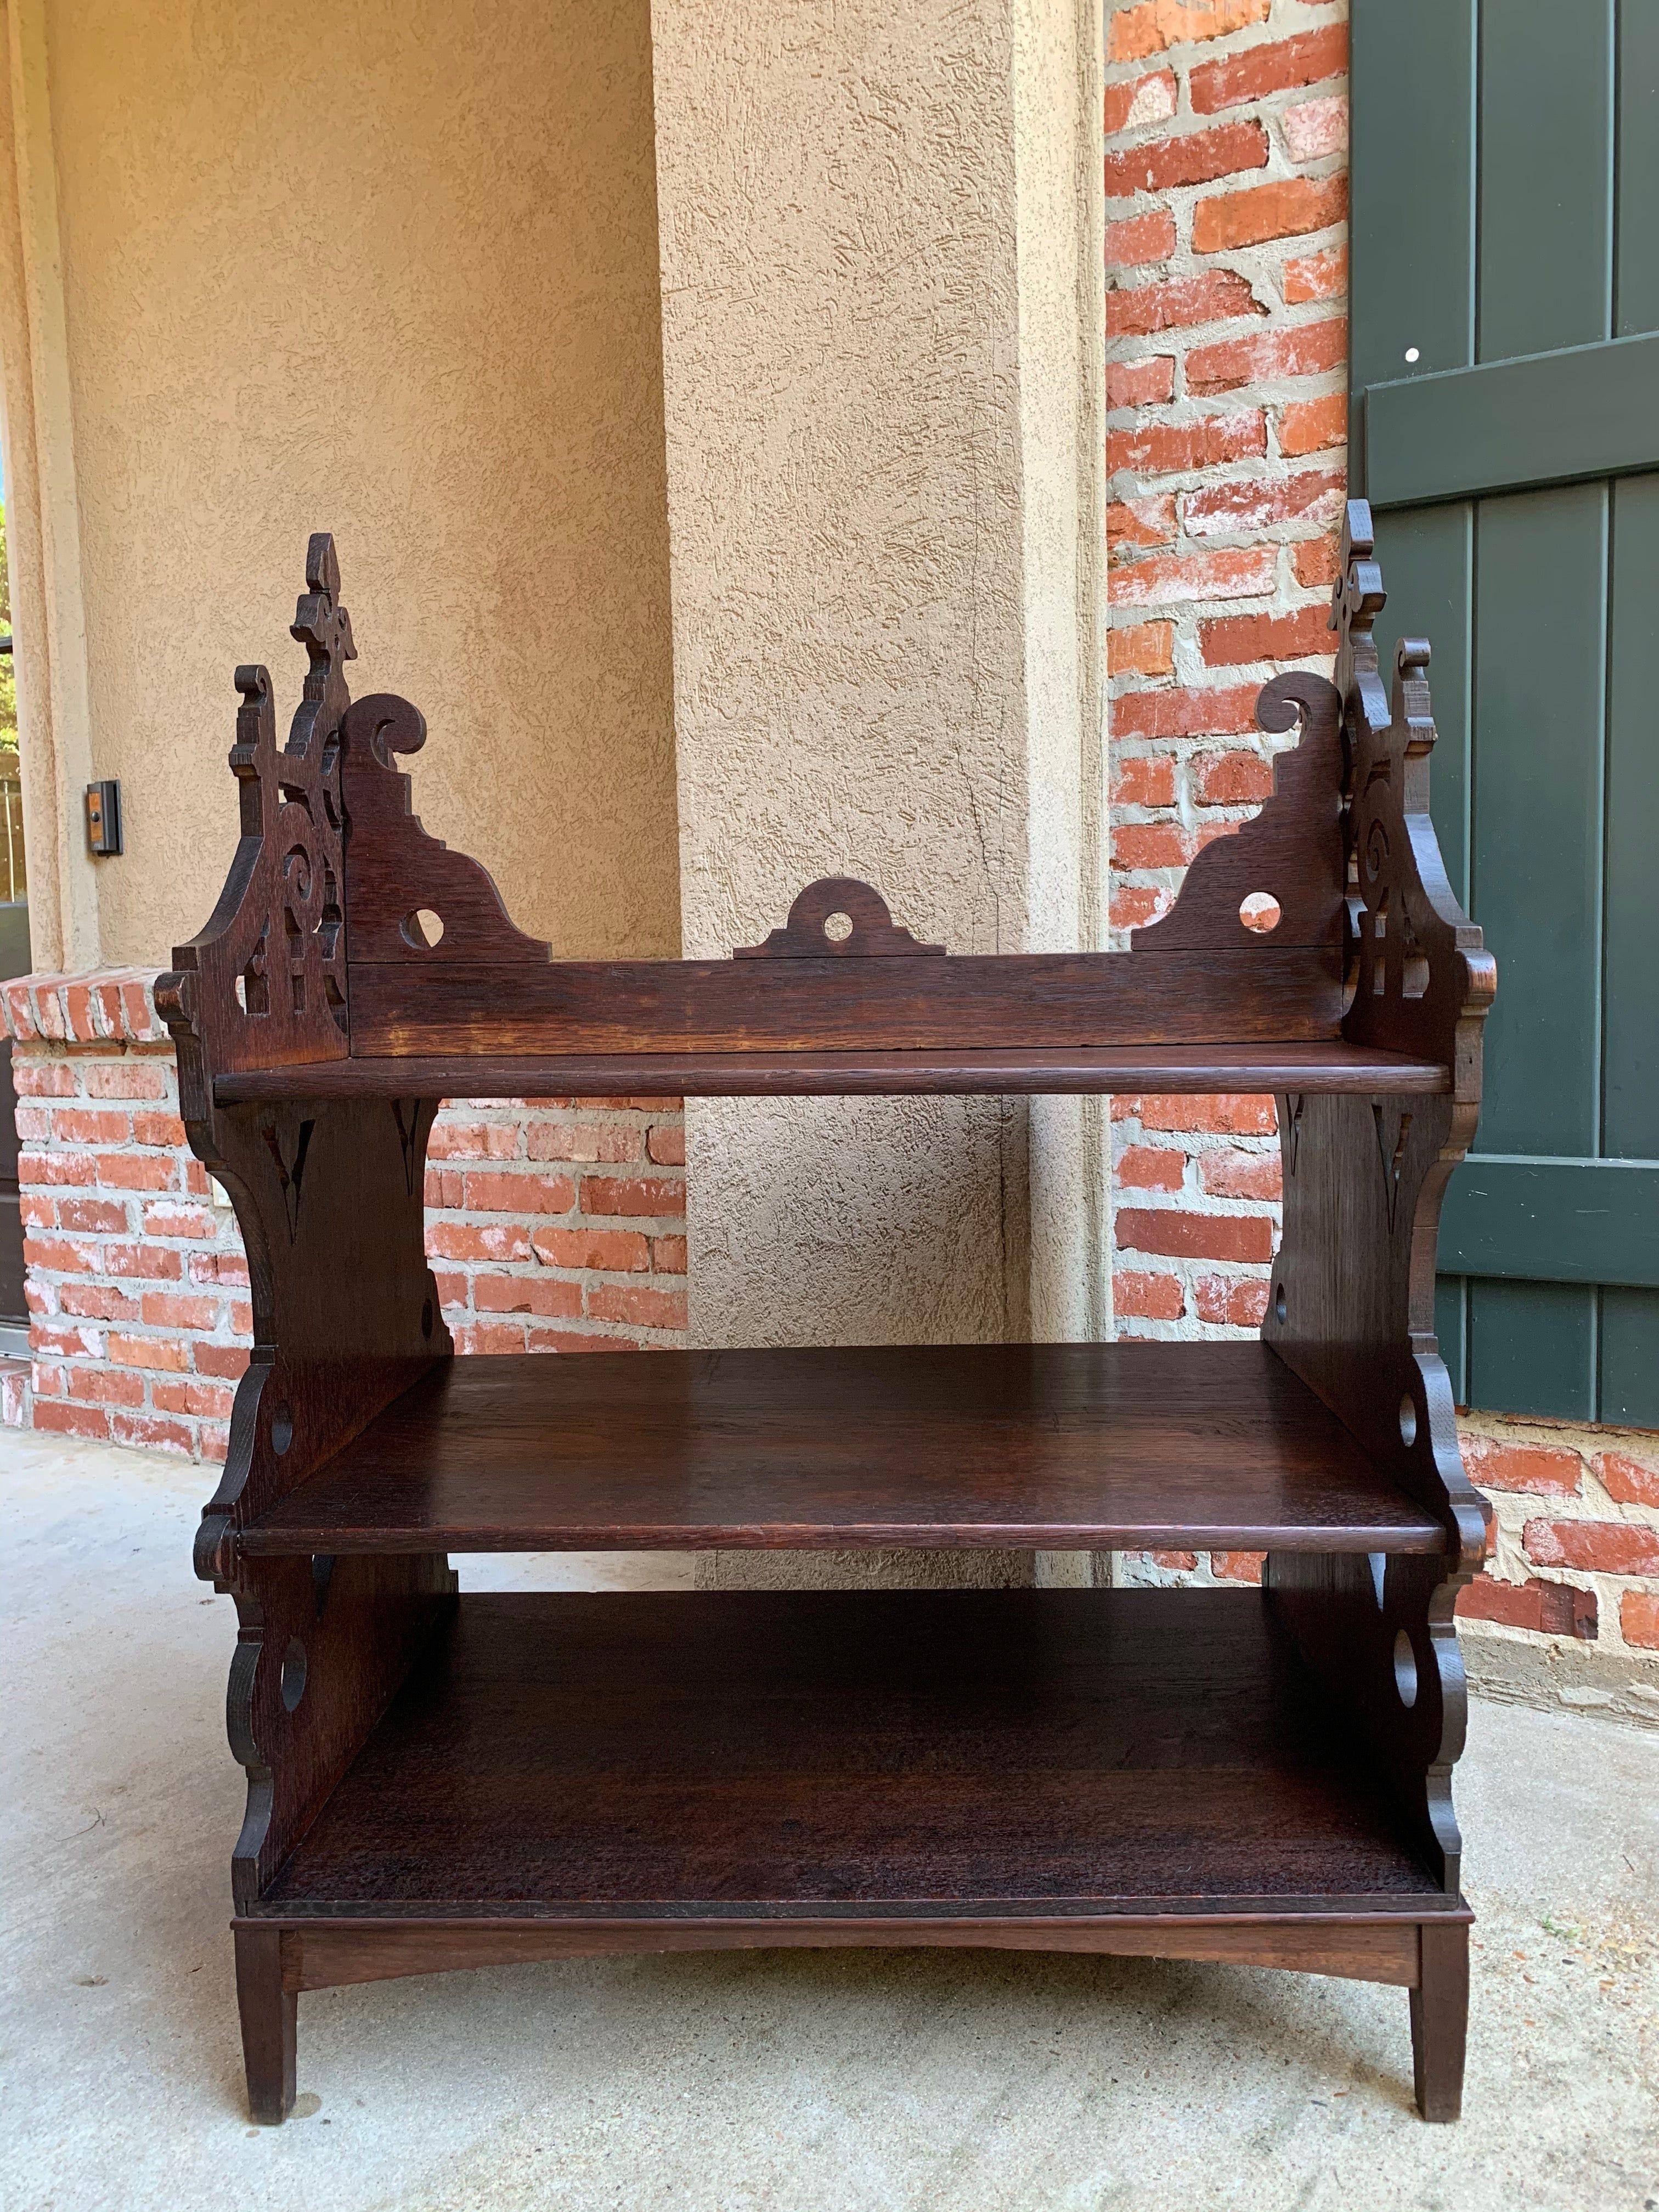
x=423 y=929
x=838 y=927
x=1405 y=1670
x=293 y=1673
x=1259 y=911
x=1408 y=1420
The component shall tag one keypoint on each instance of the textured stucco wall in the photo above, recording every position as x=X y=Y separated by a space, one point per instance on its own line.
x=1061 y=304
x=873 y=492
x=836 y=191
x=392 y=271
x=844 y=394
x=43 y=521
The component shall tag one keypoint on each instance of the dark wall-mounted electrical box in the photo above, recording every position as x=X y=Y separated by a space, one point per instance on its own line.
x=104 y=817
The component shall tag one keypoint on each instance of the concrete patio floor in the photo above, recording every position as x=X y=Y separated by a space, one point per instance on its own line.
x=826 y=2080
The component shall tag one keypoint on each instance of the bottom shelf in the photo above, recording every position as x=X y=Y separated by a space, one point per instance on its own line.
x=871 y=1753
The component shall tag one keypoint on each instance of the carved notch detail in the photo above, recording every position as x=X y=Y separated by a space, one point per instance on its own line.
x=812 y=932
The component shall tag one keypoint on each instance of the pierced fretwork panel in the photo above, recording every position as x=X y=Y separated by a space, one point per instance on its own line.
x=1417 y=978
x=266 y=981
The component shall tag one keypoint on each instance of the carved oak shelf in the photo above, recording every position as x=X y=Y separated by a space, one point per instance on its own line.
x=435 y=1782
x=1011 y=1752
x=1333 y=1067
x=1056 y=1446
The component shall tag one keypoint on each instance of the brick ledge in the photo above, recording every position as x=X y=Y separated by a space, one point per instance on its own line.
x=96 y=1006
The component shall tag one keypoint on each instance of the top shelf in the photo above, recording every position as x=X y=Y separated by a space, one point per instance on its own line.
x=1334 y=1065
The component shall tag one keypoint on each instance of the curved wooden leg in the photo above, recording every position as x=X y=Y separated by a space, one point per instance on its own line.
x=269 y=2019
x=1440 y=2020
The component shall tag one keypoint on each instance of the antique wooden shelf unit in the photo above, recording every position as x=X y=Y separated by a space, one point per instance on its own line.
x=437 y=1780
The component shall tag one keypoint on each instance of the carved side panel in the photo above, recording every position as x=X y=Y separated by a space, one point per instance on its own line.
x=263 y=985
x=328 y=1196
x=1350 y=1311
x=1352 y=1304
x=1378 y=1630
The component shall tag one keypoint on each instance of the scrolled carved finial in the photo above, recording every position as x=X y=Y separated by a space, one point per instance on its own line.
x=255 y=719
x=1289 y=699
x=1412 y=710
x=322 y=564
x=381 y=725
x=324 y=628
x=1359 y=531
x=320 y=623
x=1357 y=597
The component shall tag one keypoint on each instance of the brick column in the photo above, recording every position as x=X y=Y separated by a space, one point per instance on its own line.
x=1226 y=357
x=140 y=1322
x=1226 y=145
x=556 y=1225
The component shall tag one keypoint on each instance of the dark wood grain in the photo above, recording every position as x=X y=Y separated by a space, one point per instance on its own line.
x=345 y=1317
x=330 y=1954
x=564 y=1753
x=1268 y=1068
x=1440 y=2018
x=265 y=2001
x=1058 y=1447
x=1041 y=1000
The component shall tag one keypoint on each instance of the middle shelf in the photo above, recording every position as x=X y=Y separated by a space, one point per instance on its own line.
x=1053 y=1447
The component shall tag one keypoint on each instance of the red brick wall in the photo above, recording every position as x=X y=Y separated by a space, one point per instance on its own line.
x=1576 y=1548
x=1226 y=355
x=1226 y=140
x=556 y=1226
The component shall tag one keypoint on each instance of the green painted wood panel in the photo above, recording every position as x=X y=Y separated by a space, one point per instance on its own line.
x=1531 y=1349
x=1503 y=211
x=1636 y=278
x=1546 y=418
x=1451 y=1299
x=1553 y=1220
x=1545 y=191
x=1412 y=229
x=1630 y=1077
x=1629 y=1380
x=1535 y=883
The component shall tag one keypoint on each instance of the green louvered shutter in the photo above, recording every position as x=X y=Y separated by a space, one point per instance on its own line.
x=1506 y=232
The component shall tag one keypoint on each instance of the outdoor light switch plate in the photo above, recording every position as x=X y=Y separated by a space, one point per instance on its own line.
x=104 y=818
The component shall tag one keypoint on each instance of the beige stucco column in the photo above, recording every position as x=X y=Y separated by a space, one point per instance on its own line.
x=43 y=510
x=880 y=262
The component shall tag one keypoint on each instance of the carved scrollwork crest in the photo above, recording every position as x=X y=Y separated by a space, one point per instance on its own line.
x=1277 y=877
x=263 y=985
